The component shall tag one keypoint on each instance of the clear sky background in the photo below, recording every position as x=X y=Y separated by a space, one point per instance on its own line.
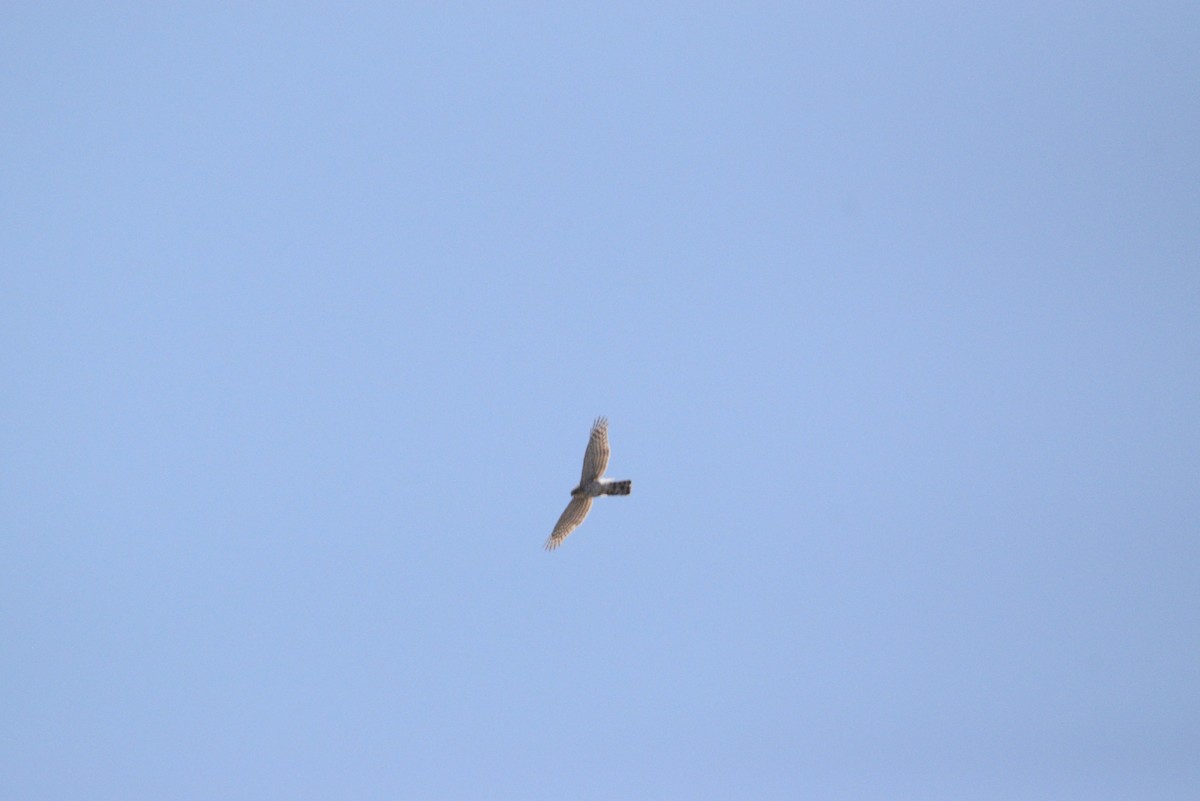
x=306 y=311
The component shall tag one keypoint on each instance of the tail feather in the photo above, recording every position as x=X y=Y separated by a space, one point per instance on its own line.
x=618 y=487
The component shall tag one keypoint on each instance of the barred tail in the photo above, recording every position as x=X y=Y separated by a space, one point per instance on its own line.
x=618 y=487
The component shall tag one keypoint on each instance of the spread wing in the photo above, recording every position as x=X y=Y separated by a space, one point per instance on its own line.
x=595 y=459
x=572 y=516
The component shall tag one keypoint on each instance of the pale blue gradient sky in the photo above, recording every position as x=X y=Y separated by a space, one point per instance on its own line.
x=306 y=311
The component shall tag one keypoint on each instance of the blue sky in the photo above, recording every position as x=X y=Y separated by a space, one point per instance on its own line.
x=306 y=311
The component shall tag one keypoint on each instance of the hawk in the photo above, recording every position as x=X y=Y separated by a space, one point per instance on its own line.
x=591 y=485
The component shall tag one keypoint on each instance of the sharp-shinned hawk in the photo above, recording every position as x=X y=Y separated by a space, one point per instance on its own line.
x=591 y=485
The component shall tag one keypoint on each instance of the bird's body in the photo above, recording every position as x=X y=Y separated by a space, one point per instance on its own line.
x=592 y=484
x=602 y=486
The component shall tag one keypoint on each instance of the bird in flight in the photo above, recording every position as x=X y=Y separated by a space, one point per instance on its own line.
x=592 y=484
